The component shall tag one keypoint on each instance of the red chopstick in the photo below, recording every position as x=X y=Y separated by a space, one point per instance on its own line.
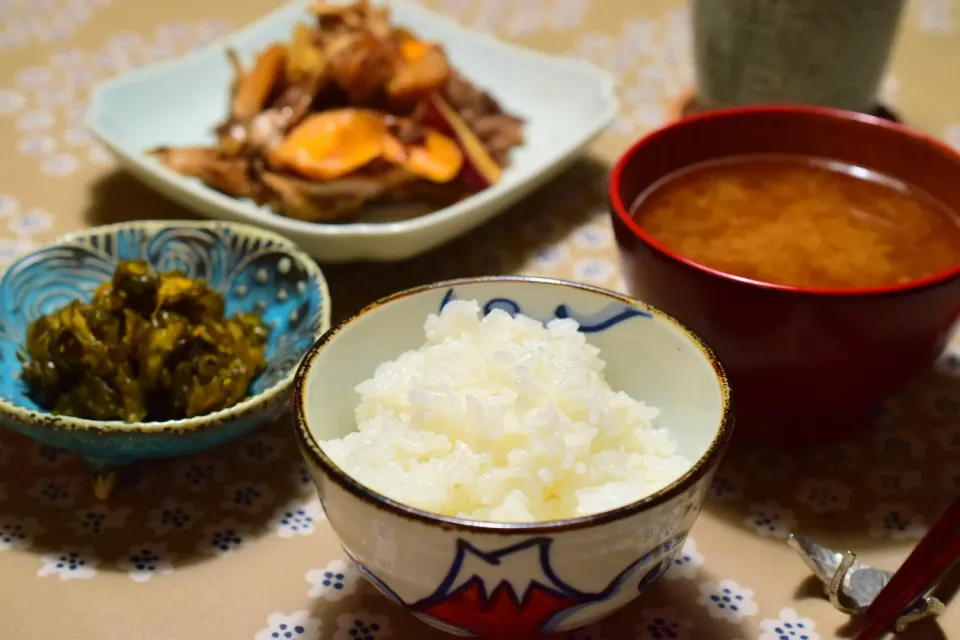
x=929 y=561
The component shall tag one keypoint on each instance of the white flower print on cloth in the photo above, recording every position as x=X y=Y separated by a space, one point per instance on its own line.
x=951 y=134
x=593 y=270
x=69 y=564
x=951 y=477
x=98 y=518
x=36 y=120
x=300 y=477
x=98 y=154
x=900 y=444
x=290 y=626
x=788 y=625
x=824 y=495
x=9 y=205
x=56 y=491
x=540 y=228
x=771 y=464
x=890 y=413
x=938 y=16
x=727 y=485
x=224 y=538
x=48 y=457
x=945 y=406
x=298 y=518
x=518 y=18
x=619 y=285
x=173 y=515
x=595 y=235
x=59 y=164
x=34 y=77
x=247 y=497
x=890 y=88
x=125 y=41
x=948 y=437
x=336 y=581
x=10 y=101
x=891 y=481
x=663 y=624
x=18 y=533
x=842 y=456
x=650 y=58
x=771 y=519
x=23 y=225
x=43 y=22
x=52 y=92
x=725 y=599
x=209 y=30
x=11 y=249
x=550 y=258
x=37 y=145
x=491 y=261
x=77 y=137
x=261 y=448
x=897 y=520
x=144 y=561
x=362 y=625
x=49 y=98
x=949 y=362
x=198 y=473
x=686 y=563
x=140 y=479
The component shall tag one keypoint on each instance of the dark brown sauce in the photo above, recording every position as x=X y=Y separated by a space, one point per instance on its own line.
x=801 y=221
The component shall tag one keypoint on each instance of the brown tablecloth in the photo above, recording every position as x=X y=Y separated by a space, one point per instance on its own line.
x=233 y=544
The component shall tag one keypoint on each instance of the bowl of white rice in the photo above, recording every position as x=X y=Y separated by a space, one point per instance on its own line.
x=511 y=457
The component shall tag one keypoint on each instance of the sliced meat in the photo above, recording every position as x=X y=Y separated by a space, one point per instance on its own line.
x=229 y=175
x=499 y=133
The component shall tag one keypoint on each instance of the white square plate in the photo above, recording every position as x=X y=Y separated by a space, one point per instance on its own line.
x=565 y=102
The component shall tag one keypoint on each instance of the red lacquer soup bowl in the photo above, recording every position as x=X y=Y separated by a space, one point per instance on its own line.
x=808 y=365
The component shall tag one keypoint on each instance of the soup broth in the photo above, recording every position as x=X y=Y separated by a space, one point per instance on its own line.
x=801 y=221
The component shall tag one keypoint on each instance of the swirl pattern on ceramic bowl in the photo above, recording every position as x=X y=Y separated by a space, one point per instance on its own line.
x=253 y=270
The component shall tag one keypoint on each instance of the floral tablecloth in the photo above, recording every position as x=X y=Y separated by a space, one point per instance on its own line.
x=233 y=544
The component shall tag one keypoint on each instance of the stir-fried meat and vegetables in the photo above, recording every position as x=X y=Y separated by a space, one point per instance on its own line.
x=148 y=346
x=353 y=110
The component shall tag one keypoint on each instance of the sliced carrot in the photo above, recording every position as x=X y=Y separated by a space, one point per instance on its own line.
x=437 y=159
x=421 y=72
x=332 y=144
x=412 y=49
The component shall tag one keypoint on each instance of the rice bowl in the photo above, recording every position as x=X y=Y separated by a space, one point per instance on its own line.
x=435 y=546
x=505 y=419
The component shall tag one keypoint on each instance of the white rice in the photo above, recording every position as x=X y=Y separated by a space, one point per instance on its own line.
x=503 y=419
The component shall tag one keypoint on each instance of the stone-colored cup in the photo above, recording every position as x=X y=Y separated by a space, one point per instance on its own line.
x=822 y=52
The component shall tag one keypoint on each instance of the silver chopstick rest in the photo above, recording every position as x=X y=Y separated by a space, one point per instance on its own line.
x=852 y=586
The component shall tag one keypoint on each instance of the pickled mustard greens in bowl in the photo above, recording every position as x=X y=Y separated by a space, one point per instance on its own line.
x=148 y=346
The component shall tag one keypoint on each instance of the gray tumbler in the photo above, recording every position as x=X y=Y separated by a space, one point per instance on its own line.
x=823 y=52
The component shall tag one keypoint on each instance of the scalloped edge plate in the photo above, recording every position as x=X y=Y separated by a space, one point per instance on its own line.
x=566 y=103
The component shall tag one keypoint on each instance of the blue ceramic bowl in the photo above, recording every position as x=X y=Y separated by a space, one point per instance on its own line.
x=254 y=270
